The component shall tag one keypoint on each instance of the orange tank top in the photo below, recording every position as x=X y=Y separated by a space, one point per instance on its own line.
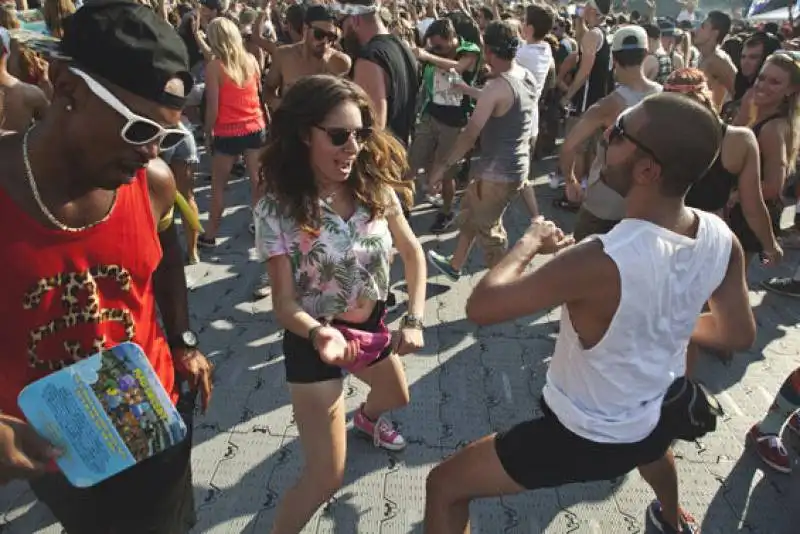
x=68 y=294
x=240 y=112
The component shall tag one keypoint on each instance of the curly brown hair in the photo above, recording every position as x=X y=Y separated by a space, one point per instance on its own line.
x=285 y=169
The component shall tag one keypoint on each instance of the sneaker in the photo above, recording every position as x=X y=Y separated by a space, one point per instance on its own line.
x=263 y=290
x=556 y=181
x=206 y=242
x=794 y=423
x=442 y=223
x=442 y=264
x=655 y=519
x=770 y=449
x=381 y=431
x=787 y=286
x=435 y=200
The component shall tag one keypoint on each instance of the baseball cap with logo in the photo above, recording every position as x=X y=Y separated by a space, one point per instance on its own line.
x=630 y=37
x=128 y=45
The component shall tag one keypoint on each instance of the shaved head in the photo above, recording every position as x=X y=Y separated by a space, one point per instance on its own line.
x=685 y=135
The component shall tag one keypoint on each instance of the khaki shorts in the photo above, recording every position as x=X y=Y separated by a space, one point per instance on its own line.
x=432 y=143
x=481 y=217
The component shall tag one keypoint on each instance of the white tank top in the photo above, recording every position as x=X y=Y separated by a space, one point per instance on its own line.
x=612 y=392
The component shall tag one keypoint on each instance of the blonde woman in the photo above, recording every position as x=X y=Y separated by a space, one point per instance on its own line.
x=55 y=11
x=774 y=121
x=235 y=116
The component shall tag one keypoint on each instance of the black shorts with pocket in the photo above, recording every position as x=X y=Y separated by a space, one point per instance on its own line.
x=238 y=145
x=302 y=361
x=542 y=453
x=153 y=497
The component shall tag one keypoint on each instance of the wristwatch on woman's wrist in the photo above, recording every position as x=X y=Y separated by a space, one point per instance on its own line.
x=412 y=321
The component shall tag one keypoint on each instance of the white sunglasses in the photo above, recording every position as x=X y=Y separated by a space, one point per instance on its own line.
x=138 y=130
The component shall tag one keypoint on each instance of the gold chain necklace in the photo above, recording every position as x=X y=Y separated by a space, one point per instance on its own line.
x=35 y=190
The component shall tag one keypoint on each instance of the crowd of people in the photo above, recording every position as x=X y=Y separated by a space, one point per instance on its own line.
x=680 y=143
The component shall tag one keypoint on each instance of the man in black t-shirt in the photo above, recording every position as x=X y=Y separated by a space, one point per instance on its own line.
x=383 y=66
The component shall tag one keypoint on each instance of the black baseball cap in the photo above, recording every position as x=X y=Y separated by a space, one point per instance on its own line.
x=319 y=13
x=216 y=5
x=130 y=46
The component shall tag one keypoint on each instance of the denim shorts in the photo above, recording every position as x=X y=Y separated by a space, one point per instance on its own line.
x=238 y=145
x=186 y=151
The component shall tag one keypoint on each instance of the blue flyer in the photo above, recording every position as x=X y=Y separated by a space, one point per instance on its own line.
x=105 y=413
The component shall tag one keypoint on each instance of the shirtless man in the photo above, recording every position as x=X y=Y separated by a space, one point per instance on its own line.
x=716 y=64
x=20 y=103
x=313 y=55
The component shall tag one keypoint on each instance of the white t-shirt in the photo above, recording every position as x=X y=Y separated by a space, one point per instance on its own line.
x=537 y=58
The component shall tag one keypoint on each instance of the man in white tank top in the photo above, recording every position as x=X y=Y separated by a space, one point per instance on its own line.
x=630 y=305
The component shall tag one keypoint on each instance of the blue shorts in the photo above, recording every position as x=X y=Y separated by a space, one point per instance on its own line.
x=186 y=151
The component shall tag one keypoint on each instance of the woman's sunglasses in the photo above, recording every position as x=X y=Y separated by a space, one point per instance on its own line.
x=617 y=131
x=340 y=136
x=322 y=35
x=138 y=130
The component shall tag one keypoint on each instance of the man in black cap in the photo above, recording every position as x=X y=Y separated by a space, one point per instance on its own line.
x=96 y=259
x=313 y=55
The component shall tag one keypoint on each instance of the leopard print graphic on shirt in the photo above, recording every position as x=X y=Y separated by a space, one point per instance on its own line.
x=73 y=285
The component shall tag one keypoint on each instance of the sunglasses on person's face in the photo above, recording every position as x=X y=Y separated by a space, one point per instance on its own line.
x=322 y=35
x=138 y=130
x=617 y=131
x=340 y=136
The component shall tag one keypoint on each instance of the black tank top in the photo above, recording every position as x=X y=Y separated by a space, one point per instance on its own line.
x=600 y=81
x=712 y=191
x=402 y=80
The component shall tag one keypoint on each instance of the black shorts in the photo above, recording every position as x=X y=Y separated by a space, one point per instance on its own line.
x=154 y=497
x=238 y=145
x=739 y=226
x=542 y=453
x=302 y=361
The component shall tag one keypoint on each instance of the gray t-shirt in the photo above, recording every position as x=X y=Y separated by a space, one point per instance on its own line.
x=602 y=201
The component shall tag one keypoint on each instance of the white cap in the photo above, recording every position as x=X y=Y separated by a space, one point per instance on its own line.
x=5 y=41
x=631 y=37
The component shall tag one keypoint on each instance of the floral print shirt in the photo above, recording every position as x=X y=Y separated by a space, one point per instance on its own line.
x=346 y=263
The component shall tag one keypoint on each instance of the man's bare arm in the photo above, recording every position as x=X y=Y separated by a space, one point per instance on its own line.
x=507 y=292
x=588 y=48
x=730 y=324
x=599 y=116
x=372 y=79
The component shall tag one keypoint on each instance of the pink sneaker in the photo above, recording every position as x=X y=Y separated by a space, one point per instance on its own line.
x=794 y=423
x=771 y=450
x=381 y=431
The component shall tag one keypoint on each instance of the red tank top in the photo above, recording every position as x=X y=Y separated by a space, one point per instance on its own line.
x=240 y=112
x=68 y=294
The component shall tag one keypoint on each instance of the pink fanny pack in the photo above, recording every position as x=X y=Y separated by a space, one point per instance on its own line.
x=371 y=344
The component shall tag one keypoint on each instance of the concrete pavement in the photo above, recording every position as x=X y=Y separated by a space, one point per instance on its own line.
x=465 y=383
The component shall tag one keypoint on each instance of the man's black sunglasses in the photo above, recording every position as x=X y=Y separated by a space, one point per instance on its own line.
x=322 y=35
x=340 y=136
x=617 y=131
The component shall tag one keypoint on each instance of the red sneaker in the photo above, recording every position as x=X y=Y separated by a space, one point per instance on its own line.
x=771 y=450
